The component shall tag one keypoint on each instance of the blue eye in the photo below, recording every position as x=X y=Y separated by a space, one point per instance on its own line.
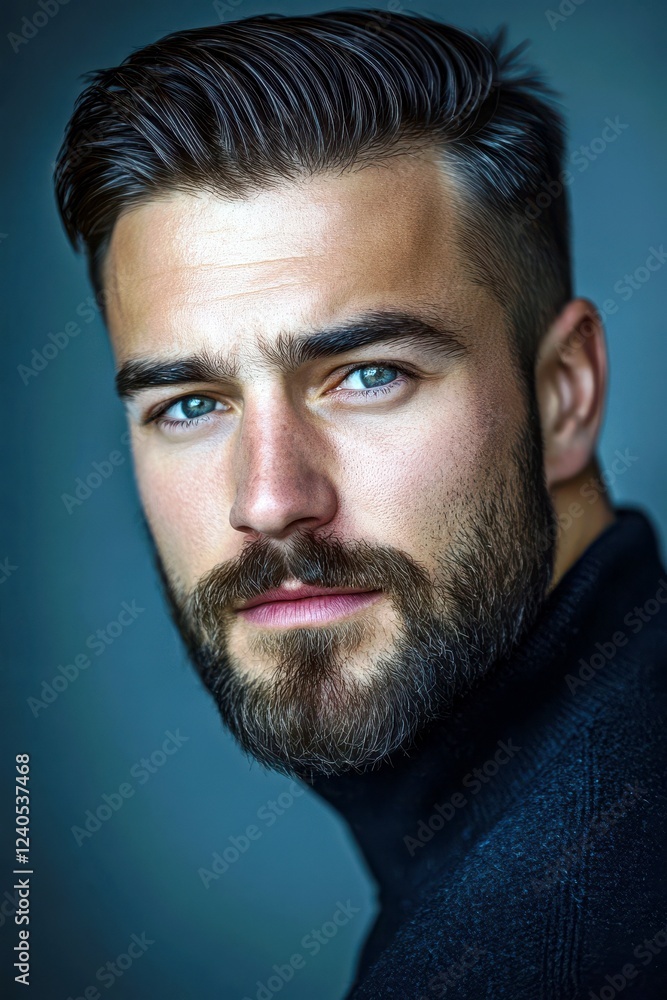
x=376 y=380
x=375 y=374
x=192 y=407
x=187 y=411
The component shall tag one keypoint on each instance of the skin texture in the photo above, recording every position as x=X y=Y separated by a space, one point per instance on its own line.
x=285 y=453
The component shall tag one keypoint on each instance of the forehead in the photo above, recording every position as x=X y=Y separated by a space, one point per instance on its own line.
x=302 y=253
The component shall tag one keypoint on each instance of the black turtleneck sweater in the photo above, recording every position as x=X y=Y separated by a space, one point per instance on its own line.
x=519 y=848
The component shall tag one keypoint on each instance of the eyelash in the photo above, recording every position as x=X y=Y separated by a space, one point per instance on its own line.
x=405 y=375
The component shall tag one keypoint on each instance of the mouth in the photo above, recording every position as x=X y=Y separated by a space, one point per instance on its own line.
x=305 y=605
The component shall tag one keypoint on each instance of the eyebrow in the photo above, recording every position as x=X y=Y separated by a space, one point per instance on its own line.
x=290 y=351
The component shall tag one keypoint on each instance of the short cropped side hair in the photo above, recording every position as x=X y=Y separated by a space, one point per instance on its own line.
x=243 y=105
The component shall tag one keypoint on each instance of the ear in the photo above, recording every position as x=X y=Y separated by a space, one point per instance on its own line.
x=571 y=382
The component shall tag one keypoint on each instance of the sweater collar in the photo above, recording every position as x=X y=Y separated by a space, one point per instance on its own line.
x=523 y=703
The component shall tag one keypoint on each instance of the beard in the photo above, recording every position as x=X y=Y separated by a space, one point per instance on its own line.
x=313 y=713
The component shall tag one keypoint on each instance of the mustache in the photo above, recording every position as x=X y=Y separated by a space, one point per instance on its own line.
x=323 y=562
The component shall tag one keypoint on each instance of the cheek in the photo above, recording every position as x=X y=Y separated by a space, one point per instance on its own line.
x=412 y=489
x=184 y=497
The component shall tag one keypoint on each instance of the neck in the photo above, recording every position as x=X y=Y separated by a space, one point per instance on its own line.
x=584 y=512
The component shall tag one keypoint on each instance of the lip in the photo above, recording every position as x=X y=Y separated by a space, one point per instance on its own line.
x=298 y=593
x=306 y=605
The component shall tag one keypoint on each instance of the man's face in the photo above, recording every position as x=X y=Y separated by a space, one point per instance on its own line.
x=395 y=454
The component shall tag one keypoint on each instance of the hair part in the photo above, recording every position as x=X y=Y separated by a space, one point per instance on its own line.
x=244 y=105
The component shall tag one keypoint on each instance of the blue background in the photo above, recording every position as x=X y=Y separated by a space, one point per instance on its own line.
x=73 y=570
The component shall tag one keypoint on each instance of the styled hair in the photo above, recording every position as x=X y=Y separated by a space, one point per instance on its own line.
x=243 y=105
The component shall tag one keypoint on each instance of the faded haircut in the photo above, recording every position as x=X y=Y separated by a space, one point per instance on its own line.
x=245 y=105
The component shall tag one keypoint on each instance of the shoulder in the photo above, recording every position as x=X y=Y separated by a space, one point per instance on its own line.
x=567 y=887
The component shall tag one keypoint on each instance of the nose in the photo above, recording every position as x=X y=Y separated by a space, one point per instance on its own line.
x=283 y=472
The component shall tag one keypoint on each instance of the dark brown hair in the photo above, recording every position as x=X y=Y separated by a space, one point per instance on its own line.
x=248 y=103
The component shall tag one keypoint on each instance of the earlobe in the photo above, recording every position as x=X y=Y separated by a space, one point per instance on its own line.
x=571 y=380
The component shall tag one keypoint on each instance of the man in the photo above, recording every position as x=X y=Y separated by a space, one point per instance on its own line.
x=364 y=409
